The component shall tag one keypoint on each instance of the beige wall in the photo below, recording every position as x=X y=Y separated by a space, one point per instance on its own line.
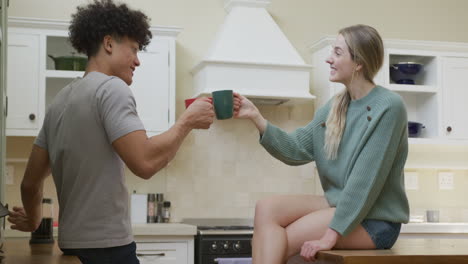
x=223 y=171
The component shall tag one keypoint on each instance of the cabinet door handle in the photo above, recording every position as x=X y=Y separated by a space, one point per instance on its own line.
x=32 y=117
x=151 y=254
x=4 y=219
x=449 y=129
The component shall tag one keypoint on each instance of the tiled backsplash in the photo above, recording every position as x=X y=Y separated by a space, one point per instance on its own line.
x=223 y=171
x=452 y=204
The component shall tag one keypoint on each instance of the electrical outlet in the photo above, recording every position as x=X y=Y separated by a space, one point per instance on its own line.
x=464 y=213
x=10 y=175
x=445 y=180
x=411 y=181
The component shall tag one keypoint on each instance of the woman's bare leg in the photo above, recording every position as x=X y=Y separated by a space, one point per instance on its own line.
x=313 y=226
x=272 y=216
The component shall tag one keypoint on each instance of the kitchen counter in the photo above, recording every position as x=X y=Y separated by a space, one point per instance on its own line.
x=435 y=228
x=177 y=229
x=157 y=229
x=19 y=251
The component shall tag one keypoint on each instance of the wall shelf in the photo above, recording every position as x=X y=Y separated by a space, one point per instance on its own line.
x=437 y=142
x=64 y=74
x=406 y=88
x=430 y=167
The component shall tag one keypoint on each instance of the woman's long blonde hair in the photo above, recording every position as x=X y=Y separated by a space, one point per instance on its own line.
x=366 y=48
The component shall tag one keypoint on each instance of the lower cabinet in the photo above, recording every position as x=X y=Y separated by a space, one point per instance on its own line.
x=155 y=250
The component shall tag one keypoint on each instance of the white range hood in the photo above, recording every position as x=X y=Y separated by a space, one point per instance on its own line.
x=251 y=55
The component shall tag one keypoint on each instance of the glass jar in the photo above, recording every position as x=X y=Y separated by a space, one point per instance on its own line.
x=159 y=206
x=47 y=208
x=150 y=217
x=166 y=214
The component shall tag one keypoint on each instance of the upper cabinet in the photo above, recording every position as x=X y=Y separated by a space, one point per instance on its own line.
x=23 y=74
x=420 y=91
x=42 y=61
x=150 y=85
x=434 y=96
x=455 y=79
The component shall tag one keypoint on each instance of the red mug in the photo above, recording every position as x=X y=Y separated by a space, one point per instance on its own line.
x=188 y=102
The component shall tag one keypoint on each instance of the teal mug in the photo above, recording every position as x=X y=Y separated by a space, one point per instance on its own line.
x=223 y=102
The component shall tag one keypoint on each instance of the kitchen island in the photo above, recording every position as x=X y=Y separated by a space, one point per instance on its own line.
x=427 y=251
x=166 y=241
x=19 y=251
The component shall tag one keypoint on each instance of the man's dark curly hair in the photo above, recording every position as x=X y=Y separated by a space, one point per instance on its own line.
x=91 y=23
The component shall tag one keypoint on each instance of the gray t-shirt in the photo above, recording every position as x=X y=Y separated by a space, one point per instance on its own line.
x=80 y=125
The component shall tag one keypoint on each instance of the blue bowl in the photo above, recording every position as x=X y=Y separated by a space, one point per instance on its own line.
x=414 y=129
x=405 y=72
x=408 y=67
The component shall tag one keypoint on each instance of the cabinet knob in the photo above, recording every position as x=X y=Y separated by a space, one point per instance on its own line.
x=449 y=129
x=32 y=117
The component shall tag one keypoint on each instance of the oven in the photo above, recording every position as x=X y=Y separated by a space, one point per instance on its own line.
x=222 y=238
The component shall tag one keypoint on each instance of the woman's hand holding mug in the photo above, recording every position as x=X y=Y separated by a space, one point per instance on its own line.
x=245 y=109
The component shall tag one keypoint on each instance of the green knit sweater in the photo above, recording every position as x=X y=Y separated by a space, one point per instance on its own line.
x=366 y=180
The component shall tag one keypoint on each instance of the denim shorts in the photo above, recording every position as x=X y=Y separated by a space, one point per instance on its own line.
x=383 y=233
x=113 y=255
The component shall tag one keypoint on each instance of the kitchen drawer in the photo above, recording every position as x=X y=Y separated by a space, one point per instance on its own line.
x=162 y=253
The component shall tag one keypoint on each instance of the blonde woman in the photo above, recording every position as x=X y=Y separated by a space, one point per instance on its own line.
x=359 y=143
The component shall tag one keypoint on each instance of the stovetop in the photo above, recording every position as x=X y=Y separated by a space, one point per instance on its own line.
x=234 y=227
x=221 y=225
x=218 y=222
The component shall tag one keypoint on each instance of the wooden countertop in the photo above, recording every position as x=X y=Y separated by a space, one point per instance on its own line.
x=415 y=251
x=19 y=251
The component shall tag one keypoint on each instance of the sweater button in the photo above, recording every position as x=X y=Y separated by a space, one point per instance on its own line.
x=369 y=118
x=368 y=108
x=323 y=124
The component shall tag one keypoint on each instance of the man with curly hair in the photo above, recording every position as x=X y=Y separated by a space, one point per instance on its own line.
x=91 y=131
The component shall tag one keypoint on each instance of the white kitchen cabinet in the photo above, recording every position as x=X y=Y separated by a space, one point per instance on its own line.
x=32 y=40
x=24 y=113
x=150 y=87
x=455 y=83
x=160 y=250
x=162 y=253
x=423 y=99
x=436 y=99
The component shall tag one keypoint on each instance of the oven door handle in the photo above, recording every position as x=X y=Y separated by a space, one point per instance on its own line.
x=150 y=254
x=247 y=260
